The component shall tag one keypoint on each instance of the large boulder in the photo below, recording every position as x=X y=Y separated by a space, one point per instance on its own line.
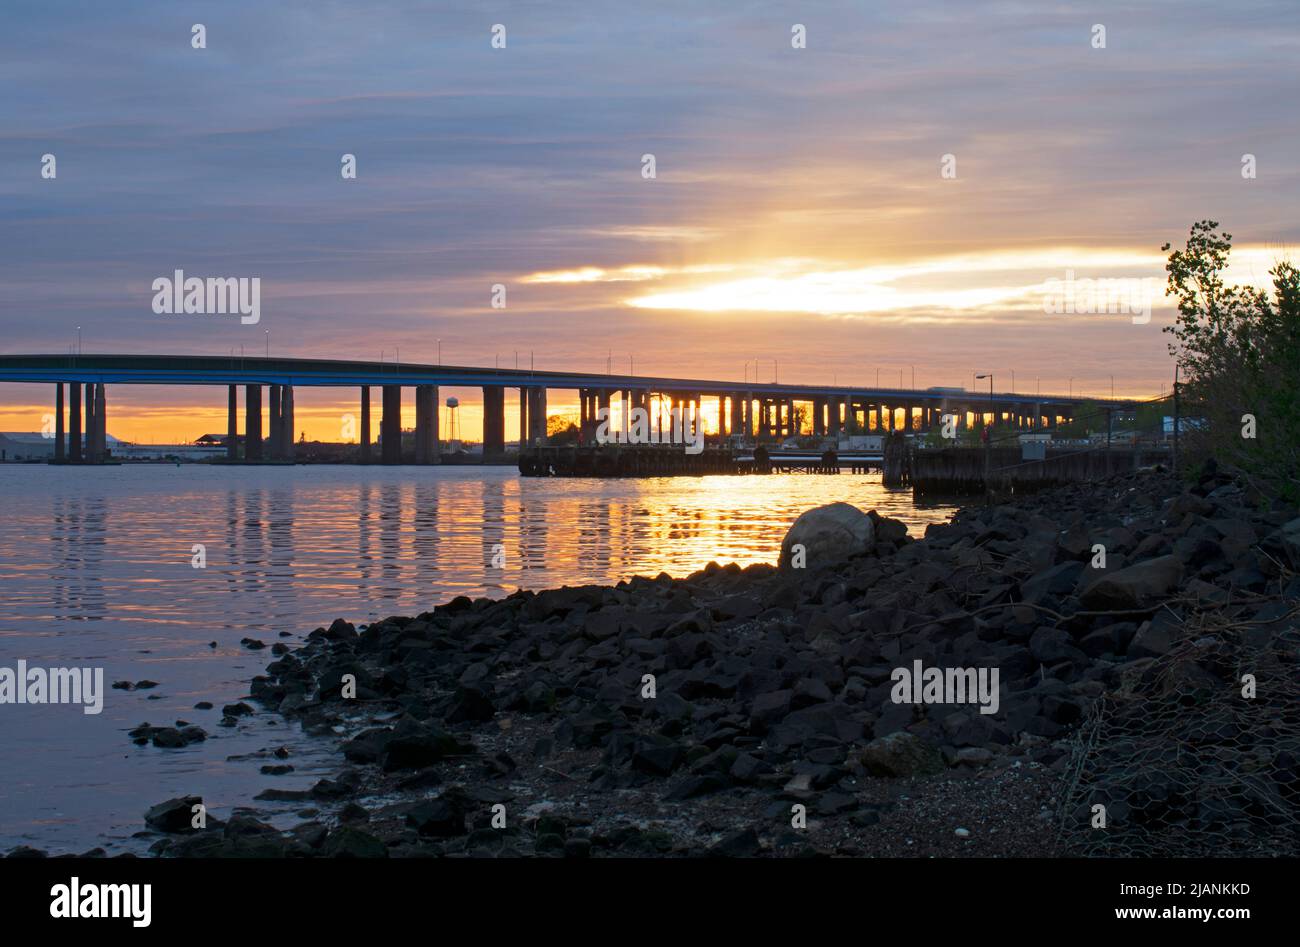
x=829 y=535
x=901 y=754
x=1135 y=587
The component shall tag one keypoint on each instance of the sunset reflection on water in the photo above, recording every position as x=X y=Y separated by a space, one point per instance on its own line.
x=96 y=565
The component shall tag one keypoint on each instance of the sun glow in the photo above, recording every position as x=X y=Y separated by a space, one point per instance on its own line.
x=1002 y=280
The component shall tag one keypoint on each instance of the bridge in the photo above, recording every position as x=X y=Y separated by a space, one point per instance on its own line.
x=752 y=411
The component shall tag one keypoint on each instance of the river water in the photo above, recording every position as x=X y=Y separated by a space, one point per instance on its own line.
x=98 y=569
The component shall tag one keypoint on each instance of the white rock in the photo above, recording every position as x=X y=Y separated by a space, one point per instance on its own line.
x=829 y=534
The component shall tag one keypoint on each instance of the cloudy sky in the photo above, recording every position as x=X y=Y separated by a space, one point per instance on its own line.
x=799 y=212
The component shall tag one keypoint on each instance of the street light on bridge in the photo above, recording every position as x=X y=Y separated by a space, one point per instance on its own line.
x=994 y=416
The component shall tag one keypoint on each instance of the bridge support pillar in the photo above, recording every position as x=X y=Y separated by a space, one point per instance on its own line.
x=274 y=440
x=252 y=422
x=90 y=422
x=286 y=422
x=390 y=425
x=363 y=454
x=101 y=423
x=523 y=417
x=426 y=424
x=232 y=422
x=494 y=422
x=74 y=422
x=59 y=444
x=537 y=416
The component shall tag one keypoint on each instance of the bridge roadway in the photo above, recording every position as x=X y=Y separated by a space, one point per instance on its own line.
x=750 y=409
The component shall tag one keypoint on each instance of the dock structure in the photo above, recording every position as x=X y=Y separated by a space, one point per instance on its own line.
x=956 y=471
x=748 y=413
x=627 y=461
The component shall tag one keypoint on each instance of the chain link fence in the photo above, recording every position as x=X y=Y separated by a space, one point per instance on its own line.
x=1186 y=765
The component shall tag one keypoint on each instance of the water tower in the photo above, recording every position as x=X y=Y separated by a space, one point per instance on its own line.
x=453 y=424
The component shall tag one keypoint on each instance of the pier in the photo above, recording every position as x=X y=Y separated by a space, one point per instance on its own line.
x=956 y=471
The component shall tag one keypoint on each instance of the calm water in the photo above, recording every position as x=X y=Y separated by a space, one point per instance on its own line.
x=96 y=571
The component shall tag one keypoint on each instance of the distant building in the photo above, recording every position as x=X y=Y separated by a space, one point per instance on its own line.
x=27 y=446
x=199 y=450
x=210 y=440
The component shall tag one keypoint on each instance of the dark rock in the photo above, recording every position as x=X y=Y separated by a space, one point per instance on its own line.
x=1135 y=587
x=740 y=844
x=351 y=842
x=174 y=815
x=900 y=754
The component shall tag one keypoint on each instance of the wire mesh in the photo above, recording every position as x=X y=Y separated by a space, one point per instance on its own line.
x=1184 y=764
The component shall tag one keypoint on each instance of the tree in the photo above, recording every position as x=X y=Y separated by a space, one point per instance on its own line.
x=561 y=429
x=1238 y=352
x=1089 y=418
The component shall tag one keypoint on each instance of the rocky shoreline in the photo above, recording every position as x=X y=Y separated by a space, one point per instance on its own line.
x=744 y=712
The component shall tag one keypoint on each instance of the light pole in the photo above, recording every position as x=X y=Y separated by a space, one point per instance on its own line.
x=1112 y=387
x=993 y=415
x=914 y=378
x=440 y=351
x=268 y=343
x=1071 y=387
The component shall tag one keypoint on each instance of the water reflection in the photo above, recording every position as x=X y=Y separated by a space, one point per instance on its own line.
x=95 y=570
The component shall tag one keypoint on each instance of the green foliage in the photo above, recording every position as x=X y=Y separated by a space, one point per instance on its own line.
x=1089 y=418
x=1238 y=349
x=1149 y=418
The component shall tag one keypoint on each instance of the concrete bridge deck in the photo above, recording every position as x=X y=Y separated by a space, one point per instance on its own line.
x=751 y=409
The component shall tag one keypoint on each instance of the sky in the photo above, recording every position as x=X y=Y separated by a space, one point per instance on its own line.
x=890 y=201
